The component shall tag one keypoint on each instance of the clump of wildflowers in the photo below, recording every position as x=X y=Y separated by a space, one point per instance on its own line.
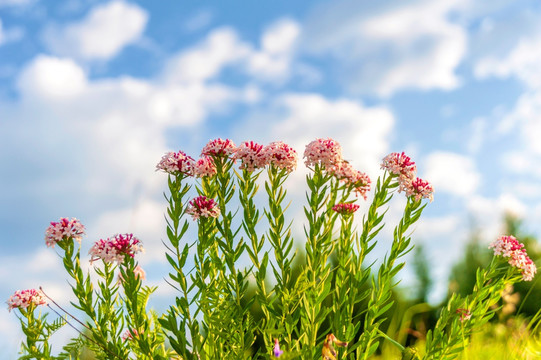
x=345 y=209
x=401 y=165
x=510 y=248
x=64 y=229
x=219 y=147
x=251 y=156
x=324 y=152
x=420 y=189
x=204 y=167
x=24 y=298
x=281 y=156
x=358 y=180
x=202 y=206
x=276 y=349
x=116 y=248
x=176 y=163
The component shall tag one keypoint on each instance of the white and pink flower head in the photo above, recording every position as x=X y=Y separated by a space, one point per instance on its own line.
x=401 y=165
x=324 y=152
x=129 y=334
x=176 y=163
x=510 y=248
x=115 y=249
x=281 y=156
x=202 y=206
x=219 y=147
x=205 y=167
x=251 y=156
x=419 y=189
x=64 y=229
x=25 y=298
x=345 y=209
x=356 y=179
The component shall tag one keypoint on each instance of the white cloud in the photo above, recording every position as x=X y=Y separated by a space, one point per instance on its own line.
x=386 y=48
x=452 y=173
x=205 y=61
x=51 y=77
x=102 y=34
x=521 y=62
x=273 y=61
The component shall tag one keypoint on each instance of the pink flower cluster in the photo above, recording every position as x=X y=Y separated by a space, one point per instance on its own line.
x=324 y=152
x=176 y=163
x=281 y=156
x=327 y=153
x=509 y=247
x=345 y=208
x=25 y=298
x=358 y=180
x=202 y=206
x=116 y=248
x=401 y=165
x=128 y=336
x=204 y=167
x=465 y=314
x=219 y=147
x=251 y=156
x=64 y=229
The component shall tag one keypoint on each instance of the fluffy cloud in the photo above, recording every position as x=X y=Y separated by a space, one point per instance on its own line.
x=102 y=34
x=521 y=62
x=386 y=48
x=452 y=173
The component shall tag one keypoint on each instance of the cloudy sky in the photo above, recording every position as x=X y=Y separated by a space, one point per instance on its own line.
x=92 y=93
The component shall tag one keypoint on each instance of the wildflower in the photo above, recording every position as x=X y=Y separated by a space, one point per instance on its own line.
x=139 y=273
x=328 y=351
x=281 y=156
x=204 y=167
x=354 y=178
x=401 y=165
x=129 y=334
x=116 y=248
x=251 y=155
x=276 y=350
x=420 y=189
x=325 y=152
x=219 y=147
x=202 y=206
x=345 y=209
x=64 y=229
x=509 y=247
x=465 y=314
x=26 y=298
x=176 y=163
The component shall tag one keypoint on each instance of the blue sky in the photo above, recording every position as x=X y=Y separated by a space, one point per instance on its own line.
x=92 y=93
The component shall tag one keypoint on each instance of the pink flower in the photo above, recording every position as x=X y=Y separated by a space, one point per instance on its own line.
x=116 y=248
x=202 y=206
x=281 y=156
x=128 y=336
x=139 y=273
x=205 y=167
x=420 y=189
x=345 y=208
x=400 y=164
x=509 y=247
x=276 y=349
x=354 y=178
x=465 y=314
x=325 y=152
x=25 y=298
x=176 y=163
x=251 y=155
x=219 y=147
x=64 y=229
